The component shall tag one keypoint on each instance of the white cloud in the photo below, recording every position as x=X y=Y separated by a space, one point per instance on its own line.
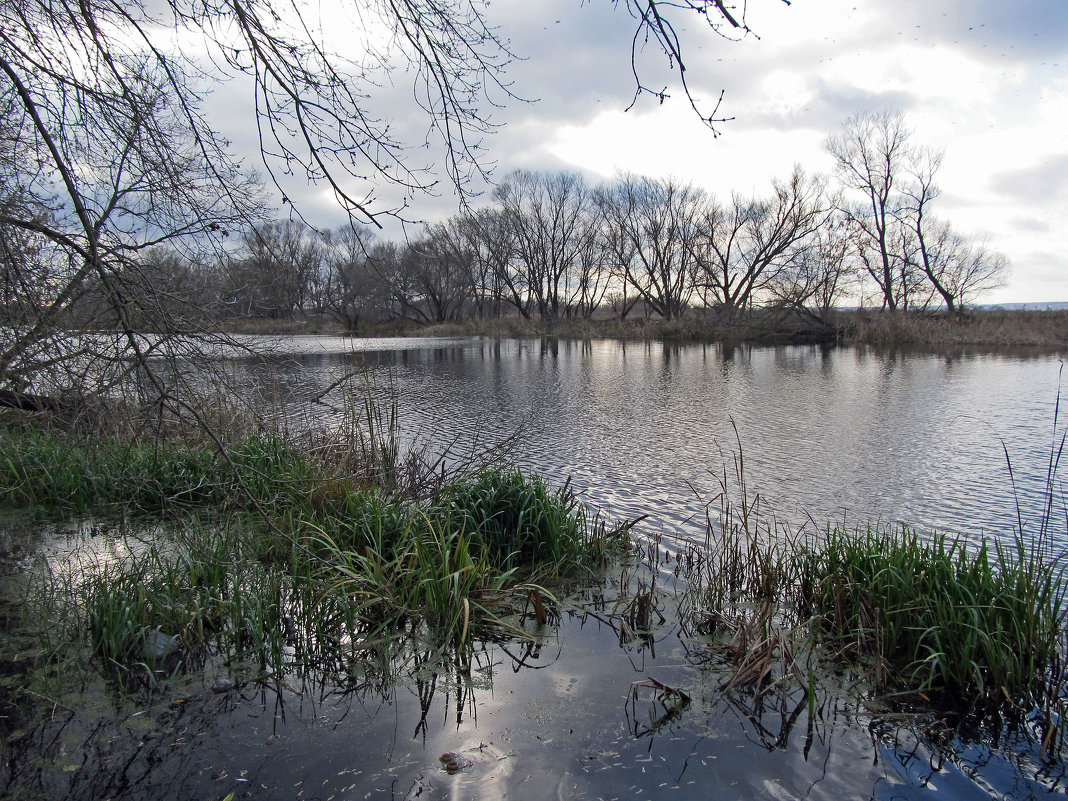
x=984 y=81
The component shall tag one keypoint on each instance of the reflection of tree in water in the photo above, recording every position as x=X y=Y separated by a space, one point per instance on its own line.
x=111 y=755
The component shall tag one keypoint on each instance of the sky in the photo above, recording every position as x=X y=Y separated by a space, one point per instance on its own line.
x=985 y=81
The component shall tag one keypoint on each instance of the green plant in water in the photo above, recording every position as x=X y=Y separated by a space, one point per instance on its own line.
x=973 y=624
x=942 y=615
x=522 y=523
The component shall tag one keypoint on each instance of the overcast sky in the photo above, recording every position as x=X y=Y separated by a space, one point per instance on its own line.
x=984 y=80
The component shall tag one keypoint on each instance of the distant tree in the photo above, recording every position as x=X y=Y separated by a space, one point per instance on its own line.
x=354 y=290
x=650 y=227
x=552 y=223
x=491 y=241
x=282 y=263
x=438 y=266
x=957 y=269
x=914 y=259
x=816 y=279
x=744 y=249
x=873 y=153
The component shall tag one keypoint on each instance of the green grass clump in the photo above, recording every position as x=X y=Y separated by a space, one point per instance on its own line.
x=65 y=472
x=971 y=624
x=471 y=552
x=205 y=590
x=966 y=621
x=520 y=522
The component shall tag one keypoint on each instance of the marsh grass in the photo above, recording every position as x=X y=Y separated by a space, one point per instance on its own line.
x=966 y=625
x=524 y=522
x=319 y=587
x=978 y=327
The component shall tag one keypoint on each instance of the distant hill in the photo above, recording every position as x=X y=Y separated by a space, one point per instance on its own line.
x=1045 y=306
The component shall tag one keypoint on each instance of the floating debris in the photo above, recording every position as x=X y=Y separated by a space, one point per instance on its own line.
x=453 y=762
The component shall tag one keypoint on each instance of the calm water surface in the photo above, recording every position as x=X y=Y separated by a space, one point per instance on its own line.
x=834 y=435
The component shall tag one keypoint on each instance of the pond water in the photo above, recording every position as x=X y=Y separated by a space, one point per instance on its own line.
x=578 y=716
x=828 y=434
x=831 y=435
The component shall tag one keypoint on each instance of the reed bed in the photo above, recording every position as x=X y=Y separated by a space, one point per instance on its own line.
x=979 y=327
x=1030 y=328
x=295 y=563
x=965 y=625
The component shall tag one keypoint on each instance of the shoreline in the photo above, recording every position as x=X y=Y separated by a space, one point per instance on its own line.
x=1046 y=331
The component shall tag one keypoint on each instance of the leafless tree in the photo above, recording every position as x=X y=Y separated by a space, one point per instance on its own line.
x=650 y=228
x=956 y=269
x=820 y=275
x=872 y=154
x=438 y=267
x=490 y=240
x=553 y=226
x=914 y=259
x=282 y=263
x=743 y=250
x=354 y=290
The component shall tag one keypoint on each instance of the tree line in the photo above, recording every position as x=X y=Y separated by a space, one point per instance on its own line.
x=124 y=207
x=550 y=246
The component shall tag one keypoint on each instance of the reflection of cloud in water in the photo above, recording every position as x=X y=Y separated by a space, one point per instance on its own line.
x=529 y=724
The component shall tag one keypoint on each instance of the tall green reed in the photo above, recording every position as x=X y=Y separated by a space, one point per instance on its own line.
x=977 y=624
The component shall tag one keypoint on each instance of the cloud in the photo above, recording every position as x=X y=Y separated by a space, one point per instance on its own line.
x=1023 y=29
x=1029 y=225
x=1042 y=181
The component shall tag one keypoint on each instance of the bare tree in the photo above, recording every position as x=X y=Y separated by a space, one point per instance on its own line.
x=872 y=154
x=818 y=276
x=283 y=262
x=913 y=258
x=353 y=288
x=439 y=267
x=552 y=223
x=743 y=249
x=650 y=228
x=490 y=239
x=956 y=269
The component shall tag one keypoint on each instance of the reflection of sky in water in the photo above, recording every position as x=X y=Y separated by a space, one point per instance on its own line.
x=556 y=724
x=647 y=427
x=72 y=551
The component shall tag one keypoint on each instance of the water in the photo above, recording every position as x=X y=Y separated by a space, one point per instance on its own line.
x=831 y=435
x=640 y=429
